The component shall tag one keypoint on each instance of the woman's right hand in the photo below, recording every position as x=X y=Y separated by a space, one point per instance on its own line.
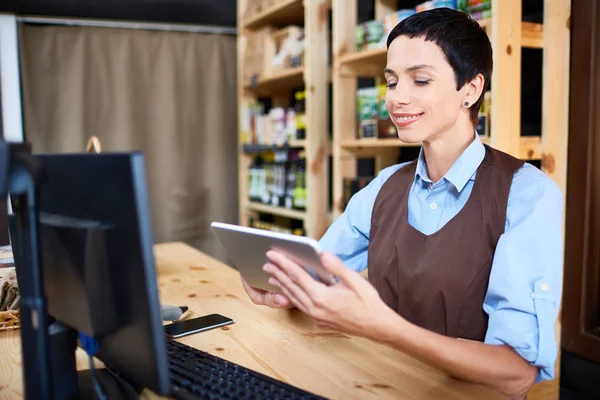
x=266 y=298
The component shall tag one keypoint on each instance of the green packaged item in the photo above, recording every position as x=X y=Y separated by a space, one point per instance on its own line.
x=385 y=127
x=368 y=110
x=374 y=33
x=359 y=37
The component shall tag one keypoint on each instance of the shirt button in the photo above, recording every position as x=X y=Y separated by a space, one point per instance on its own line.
x=544 y=287
x=433 y=206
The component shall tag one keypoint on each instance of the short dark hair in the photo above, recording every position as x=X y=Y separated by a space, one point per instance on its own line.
x=464 y=43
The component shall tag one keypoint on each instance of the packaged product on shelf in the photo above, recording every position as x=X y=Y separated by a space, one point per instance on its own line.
x=268 y=223
x=428 y=5
x=484 y=116
x=261 y=126
x=256 y=181
x=299 y=200
x=277 y=128
x=353 y=186
x=391 y=20
x=250 y=110
x=290 y=184
x=290 y=124
x=385 y=127
x=476 y=6
x=277 y=190
x=367 y=108
x=479 y=15
x=463 y=4
x=297 y=227
x=374 y=33
x=445 y=3
x=300 y=107
x=478 y=10
x=245 y=131
x=286 y=48
x=360 y=37
x=368 y=35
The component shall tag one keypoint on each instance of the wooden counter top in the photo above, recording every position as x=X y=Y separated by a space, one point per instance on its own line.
x=284 y=344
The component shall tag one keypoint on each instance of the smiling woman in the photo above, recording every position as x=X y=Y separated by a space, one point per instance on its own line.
x=463 y=244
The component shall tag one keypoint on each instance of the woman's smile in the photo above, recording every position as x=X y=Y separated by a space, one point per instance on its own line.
x=404 y=119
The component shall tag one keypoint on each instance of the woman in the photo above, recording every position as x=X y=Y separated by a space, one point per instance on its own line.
x=462 y=243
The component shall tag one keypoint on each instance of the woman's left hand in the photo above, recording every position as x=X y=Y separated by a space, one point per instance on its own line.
x=352 y=305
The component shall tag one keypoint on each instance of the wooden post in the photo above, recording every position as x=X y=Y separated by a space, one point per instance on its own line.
x=506 y=78
x=555 y=101
x=344 y=98
x=316 y=78
x=555 y=106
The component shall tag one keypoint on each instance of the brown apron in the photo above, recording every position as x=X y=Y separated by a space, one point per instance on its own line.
x=439 y=281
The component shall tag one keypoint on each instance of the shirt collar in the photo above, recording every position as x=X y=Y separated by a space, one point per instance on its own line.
x=463 y=169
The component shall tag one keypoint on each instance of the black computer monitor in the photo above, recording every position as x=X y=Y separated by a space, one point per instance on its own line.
x=97 y=260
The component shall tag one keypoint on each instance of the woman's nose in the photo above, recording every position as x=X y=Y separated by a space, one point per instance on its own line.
x=398 y=96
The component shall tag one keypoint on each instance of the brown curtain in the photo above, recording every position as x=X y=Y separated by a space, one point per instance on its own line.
x=171 y=95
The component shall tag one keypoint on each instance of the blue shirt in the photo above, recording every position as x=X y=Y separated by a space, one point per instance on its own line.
x=525 y=285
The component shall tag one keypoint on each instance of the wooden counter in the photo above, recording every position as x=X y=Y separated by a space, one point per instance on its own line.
x=283 y=344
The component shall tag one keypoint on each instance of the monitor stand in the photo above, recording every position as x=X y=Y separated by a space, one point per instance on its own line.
x=68 y=383
x=113 y=387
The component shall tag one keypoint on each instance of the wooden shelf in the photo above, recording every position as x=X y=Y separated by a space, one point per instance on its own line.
x=530 y=148
x=283 y=212
x=531 y=37
x=248 y=148
x=278 y=82
x=371 y=56
x=286 y=12
x=373 y=143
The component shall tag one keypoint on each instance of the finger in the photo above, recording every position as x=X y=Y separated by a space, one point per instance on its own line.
x=254 y=294
x=296 y=273
x=337 y=268
x=294 y=300
x=287 y=284
x=277 y=284
x=276 y=300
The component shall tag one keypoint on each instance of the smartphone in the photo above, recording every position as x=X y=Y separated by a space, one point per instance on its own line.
x=194 y=325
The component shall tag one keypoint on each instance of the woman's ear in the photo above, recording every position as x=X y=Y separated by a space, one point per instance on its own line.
x=473 y=90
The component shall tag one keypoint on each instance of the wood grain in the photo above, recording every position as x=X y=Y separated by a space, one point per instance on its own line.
x=506 y=103
x=284 y=344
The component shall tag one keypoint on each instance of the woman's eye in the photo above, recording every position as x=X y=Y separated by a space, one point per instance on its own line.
x=391 y=85
x=422 y=82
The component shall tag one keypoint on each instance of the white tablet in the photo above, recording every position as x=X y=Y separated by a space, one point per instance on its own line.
x=247 y=248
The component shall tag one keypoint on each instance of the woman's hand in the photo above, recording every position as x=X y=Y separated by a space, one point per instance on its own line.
x=352 y=306
x=266 y=298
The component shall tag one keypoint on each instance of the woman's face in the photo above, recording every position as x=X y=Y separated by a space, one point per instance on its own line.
x=421 y=90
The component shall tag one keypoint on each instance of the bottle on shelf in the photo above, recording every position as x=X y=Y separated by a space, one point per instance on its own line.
x=300 y=188
x=300 y=111
x=256 y=179
x=290 y=184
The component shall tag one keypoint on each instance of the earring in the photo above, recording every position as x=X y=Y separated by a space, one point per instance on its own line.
x=466 y=104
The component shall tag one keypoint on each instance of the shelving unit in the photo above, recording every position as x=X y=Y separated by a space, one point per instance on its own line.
x=508 y=33
x=313 y=75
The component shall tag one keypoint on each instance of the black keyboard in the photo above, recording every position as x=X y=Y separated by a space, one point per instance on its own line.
x=196 y=374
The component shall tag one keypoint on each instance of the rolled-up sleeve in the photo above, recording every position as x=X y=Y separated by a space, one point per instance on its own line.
x=525 y=285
